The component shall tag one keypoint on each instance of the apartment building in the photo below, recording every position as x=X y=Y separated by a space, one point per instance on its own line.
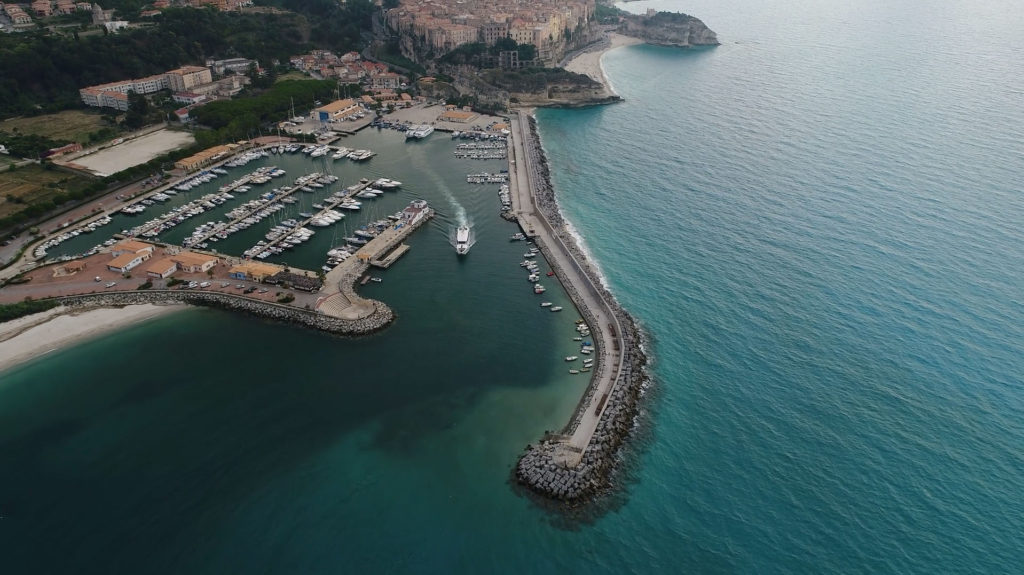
x=187 y=77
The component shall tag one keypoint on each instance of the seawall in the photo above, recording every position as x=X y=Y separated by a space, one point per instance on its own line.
x=579 y=463
x=381 y=317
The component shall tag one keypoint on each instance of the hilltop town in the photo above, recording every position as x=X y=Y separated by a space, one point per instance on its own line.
x=188 y=75
x=431 y=28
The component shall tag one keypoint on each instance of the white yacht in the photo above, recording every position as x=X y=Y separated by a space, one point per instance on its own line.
x=419 y=132
x=463 y=239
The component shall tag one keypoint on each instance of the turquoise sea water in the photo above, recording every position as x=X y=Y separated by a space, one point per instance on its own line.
x=819 y=225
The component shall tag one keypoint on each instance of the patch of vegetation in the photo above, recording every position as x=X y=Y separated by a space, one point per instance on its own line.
x=293 y=75
x=24 y=308
x=34 y=190
x=607 y=13
x=30 y=146
x=174 y=281
x=390 y=53
x=70 y=125
x=237 y=119
x=337 y=26
x=145 y=286
x=483 y=56
x=663 y=18
x=286 y=298
x=41 y=72
x=536 y=79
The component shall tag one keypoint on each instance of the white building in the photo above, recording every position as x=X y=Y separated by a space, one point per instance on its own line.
x=126 y=262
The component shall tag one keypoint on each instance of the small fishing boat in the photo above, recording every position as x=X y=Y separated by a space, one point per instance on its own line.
x=546 y=304
x=572 y=358
x=574 y=371
x=557 y=308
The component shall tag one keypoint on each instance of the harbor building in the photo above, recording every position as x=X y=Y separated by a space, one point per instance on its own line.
x=131 y=247
x=127 y=261
x=187 y=77
x=162 y=268
x=255 y=271
x=192 y=262
x=336 y=110
x=459 y=116
x=205 y=157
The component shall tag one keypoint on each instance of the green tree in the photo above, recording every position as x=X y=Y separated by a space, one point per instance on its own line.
x=138 y=111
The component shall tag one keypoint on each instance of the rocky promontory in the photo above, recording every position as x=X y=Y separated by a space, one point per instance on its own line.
x=549 y=87
x=668 y=29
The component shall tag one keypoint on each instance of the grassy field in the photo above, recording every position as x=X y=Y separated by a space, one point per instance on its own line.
x=31 y=184
x=74 y=125
x=293 y=75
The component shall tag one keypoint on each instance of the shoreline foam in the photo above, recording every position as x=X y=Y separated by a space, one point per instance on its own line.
x=570 y=228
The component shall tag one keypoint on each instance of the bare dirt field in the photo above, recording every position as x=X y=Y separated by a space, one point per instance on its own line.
x=74 y=125
x=134 y=152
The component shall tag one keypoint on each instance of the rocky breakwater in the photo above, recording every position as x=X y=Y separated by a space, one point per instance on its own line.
x=379 y=319
x=553 y=468
x=668 y=29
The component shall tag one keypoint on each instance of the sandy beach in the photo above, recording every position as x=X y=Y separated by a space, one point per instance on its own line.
x=589 y=62
x=29 y=337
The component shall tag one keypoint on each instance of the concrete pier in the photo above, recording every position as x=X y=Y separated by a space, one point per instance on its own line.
x=391 y=258
x=339 y=298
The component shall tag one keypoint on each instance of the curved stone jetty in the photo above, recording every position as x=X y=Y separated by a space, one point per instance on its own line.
x=380 y=316
x=576 y=464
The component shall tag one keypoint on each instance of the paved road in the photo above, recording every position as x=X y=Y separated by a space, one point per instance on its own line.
x=524 y=179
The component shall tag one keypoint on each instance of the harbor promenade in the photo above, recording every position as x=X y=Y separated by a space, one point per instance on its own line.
x=525 y=179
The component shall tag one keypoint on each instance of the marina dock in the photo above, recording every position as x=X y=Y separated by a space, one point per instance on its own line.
x=339 y=298
x=391 y=258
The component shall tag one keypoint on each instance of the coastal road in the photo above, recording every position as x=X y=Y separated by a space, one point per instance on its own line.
x=525 y=177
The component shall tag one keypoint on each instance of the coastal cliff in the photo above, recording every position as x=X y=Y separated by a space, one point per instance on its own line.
x=549 y=87
x=560 y=96
x=668 y=29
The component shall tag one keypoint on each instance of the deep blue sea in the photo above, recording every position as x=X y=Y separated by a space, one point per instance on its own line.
x=818 y=224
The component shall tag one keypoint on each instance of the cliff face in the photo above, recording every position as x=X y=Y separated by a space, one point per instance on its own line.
x=548 y=87
x=669 y=29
